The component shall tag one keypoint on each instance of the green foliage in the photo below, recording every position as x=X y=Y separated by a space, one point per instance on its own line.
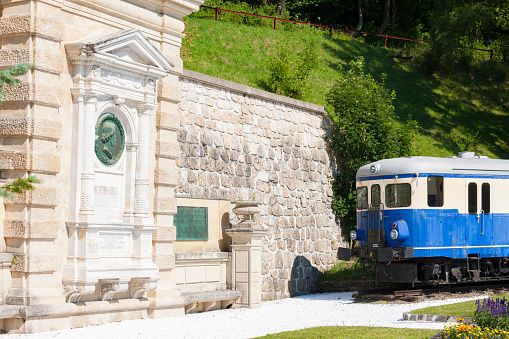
x=290 y=70
x=18 y=186
x=470 y=331
x=348 y=270
x=443 y=105
x=364 y=129
x=8 y=77
x=456 y=24
x=244 y=7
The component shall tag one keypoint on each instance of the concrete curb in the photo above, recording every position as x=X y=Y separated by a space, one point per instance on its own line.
x=434 y=318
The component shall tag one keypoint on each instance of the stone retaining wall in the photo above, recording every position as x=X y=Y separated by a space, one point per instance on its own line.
x=238 y=142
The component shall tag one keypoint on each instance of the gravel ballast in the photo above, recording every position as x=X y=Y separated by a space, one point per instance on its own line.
x=327 y=309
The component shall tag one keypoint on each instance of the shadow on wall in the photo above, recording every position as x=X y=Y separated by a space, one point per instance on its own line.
x=304 y=278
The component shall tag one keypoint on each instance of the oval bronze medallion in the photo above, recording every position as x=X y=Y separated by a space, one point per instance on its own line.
x=109 y=139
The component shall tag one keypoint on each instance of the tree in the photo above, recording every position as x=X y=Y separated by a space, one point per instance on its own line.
x=456 y=24
x=8 y=77
x=363 y=129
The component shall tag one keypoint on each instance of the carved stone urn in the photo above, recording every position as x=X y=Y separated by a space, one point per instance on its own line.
x=246 y=209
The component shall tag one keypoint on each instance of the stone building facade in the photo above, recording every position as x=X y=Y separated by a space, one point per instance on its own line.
x=240 y=143
x=121 y=137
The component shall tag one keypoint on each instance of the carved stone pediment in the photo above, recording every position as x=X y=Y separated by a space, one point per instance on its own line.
x=126 y=46
x=123 y=64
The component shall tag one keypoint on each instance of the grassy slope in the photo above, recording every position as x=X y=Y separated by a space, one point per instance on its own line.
x=448 y=109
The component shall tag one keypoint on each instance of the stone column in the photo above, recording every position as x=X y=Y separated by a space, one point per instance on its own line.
x=247 y=240
x=87 y=175
x=141 y=181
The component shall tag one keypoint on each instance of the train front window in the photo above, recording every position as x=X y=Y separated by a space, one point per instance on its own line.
x=472 y=198
x=398 y=195
x=485 y=198
x=362 y=198
x=435 y=191
x=375 y=195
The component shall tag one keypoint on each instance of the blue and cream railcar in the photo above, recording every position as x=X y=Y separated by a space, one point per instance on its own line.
x=441 y=220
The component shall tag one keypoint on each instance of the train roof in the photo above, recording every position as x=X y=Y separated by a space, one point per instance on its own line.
x=465 y=164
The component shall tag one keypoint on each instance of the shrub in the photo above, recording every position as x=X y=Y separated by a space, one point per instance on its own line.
x=363 y=129
x=290 y=70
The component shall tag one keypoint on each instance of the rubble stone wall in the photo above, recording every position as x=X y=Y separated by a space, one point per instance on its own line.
x=240 y=143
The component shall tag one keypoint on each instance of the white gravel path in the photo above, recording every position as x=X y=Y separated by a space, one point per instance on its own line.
x=328 y=309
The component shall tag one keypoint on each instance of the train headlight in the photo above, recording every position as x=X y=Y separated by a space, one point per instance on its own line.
x=353 y=235
x=374 y=168
x=394 y=234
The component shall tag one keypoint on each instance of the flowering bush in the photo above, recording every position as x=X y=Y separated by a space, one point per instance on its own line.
x=470 y=331
x=492 y=313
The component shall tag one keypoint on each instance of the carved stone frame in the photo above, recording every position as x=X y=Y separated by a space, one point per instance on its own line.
x=114 y=73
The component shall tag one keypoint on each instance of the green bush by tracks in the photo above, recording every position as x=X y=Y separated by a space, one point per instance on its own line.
x=364 y=129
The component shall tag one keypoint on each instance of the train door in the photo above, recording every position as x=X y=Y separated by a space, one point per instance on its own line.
x=479 y=227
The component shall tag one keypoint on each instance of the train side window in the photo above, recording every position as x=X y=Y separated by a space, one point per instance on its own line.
x=375 y=195
x=362 y=197
x=435 y=191
x=472 y=198
x=485 y=198
x=398 y=195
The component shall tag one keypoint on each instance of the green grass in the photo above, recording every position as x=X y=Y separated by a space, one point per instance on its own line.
x=463 y=309
x=345 y=270
x=356 y=332
x=450 y=110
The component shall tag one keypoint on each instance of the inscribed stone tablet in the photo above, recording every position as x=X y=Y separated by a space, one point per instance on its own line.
x=191 y=223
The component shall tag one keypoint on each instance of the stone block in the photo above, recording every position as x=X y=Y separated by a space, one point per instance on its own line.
x=36 y=263
x=165 y=205
x=34 y=93
x=165 y=177
x=42 y=196
x=170 y=150
x=168 y=121
x=28 y=24
x=164 y=261
x=30 y=229
x=41 y=59
x=169 y=91
x=165 y=233
x=22 y=160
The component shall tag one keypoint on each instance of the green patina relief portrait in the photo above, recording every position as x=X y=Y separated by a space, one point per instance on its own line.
x=109 y=139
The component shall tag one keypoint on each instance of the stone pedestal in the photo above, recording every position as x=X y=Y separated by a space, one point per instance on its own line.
x=247 y=240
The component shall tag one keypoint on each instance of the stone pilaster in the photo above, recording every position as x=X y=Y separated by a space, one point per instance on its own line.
x=31 y=128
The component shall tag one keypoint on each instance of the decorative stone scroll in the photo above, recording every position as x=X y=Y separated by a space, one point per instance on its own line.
x=111 y=286
x=74 y=291
x=141 y=285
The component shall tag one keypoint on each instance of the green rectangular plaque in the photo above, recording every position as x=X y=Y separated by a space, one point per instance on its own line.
x=192 y=223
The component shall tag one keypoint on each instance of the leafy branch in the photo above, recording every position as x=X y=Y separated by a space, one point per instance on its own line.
x=18 y=186
x=8 y=77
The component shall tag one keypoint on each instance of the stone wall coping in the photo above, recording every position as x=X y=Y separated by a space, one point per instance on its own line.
x=200 y=255
x=193 y=297
x=264 y=95
x=6 y=258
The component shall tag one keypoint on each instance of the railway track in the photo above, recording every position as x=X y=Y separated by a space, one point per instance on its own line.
x=398 y=292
